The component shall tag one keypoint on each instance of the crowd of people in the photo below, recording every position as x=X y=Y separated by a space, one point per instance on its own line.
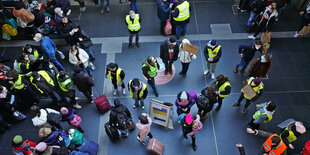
x=38 y=73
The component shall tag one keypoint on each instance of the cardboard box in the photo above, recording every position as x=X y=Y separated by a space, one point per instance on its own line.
x=190 y=48
x=248 y=91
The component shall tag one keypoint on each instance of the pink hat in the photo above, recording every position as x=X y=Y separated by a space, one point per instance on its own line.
x=189 y=119
x=64 y=110
x=300 y=128
x=41 y=147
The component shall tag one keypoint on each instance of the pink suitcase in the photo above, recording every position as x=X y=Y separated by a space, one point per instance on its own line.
x=155 y=147
x=102 y=104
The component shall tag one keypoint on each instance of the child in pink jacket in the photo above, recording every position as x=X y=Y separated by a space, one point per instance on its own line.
x=197 y=126
x=144 y=127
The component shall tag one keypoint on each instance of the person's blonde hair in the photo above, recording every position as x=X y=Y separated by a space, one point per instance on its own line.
x=195 y=124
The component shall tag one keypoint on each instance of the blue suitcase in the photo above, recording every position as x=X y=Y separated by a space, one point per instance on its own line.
x=89 y=147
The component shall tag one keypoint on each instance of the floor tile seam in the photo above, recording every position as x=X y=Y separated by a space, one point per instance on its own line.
x=3 y=51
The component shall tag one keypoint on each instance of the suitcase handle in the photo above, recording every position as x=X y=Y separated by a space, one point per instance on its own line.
x=98 y=92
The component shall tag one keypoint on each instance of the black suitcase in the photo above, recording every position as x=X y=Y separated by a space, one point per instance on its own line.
x=111 y=132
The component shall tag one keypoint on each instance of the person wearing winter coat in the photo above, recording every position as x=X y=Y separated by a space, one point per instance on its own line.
x=84 y=41
x=22 y=147
x=260 y=66
x=223 y=86
x=163 y=13
x=55 y=137
x=64 y=5
x=138 y=91
x=266 y=21
x=117 y=76
x=185 y=57
x=79 y=57
x=247 y=52
x=183 y=103
x=41 y=115
x=293 y=131
x=70 y=115
x=83 y=82
x=257 y=6
x=49 y=48
x=119 y=117
x=264 y=114
x=150 y=69
x=213 y=53
x=206 y=101
x=169 y=51
x=65 y=30
x=144 y=127
x=305 y=20
x=59 y=14
x=181 y=16
x=23 y=14
x=187 y=122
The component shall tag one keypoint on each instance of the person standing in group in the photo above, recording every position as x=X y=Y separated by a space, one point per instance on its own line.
x=191 y=127
x=213 y=53
x=260 y=66
x=102 y=6
x=266 y=21
x=144 y=127
x=133 y=5
x=247 y=52
x=83 y=82
x=79 y=57
x=150 y=69
x=117 y=76
x=84 y=41
x=263 y=114
x=257 y=85
x=169 y=51
x=185 y=57
x=290 y=134
x=133 y=21
x=184 y=102
x=163 y=13
x=181 y=16
x=223 y=85
x=138 y=91
x=206 y=101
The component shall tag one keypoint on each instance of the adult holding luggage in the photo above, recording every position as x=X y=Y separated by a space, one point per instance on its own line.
x=181 y=16
x=169 y=51
x=117 y=76
x=163 y=13
x=213 y=53
x=206 y=101
x=119 y=118
x=223 y=89
x=133 y=21
x=264 y=114
x=293 y=131
x=138 y=91
x=150 y=69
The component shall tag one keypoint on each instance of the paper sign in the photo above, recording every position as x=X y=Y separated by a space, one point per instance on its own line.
x=190 y=48
x=248 y=91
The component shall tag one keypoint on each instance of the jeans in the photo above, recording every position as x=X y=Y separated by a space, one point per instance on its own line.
x=52 y=57
x=152 y=83
x=243 y=63
x=185 y=67
x=137 y=102
x=180 y=27
x=102 y=4
x=134 y=6
x=252 y=18
x=131 y=36
x=90 y=52
x=89 y=71
x=212 y=66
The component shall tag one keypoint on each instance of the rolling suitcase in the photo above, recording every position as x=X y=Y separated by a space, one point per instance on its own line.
x=111 y=132
x=155 y=147
x=102 y=103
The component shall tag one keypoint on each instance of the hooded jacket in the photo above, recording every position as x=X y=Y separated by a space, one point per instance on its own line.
x=185 y=56
x=83 y=56
x=118 y=109
x=144 y=129
x=82 y=80
x=248 y=50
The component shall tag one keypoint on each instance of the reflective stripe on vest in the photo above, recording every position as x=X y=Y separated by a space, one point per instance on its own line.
x=183 y=12
x=261 y=112
x=259 y=87
x=135 y=26
x=118 y=77
x=213 y=53
x=18 y=83
x=291 y=137
x=141 y=92
x=223 y=87
x=63 y=84
x=153 y=70
x=31 y=79
x=46 y=77
x=274 y=151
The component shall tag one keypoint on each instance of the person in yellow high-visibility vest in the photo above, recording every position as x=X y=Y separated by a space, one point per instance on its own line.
x=138 y=91
x=150 y=69
x=222 y=84
x=263 y=114
x=116 y=75
x=257 y=85
x=133 y=21
x=213 y=53
x=181 y=16
x=33 y=52
x=24 y=64
x=292 y=132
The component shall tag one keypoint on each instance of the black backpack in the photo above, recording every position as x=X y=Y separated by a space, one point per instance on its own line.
x=204 y=103
x=122 y=121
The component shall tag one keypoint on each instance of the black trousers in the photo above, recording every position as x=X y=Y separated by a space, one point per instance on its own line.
x=168 y=65
x=247 y=103
x=162 y=27
x=187 y=130
x=185 y=67
x=131 y=36
x=87 y=94
x=252 y=125
x=219 y=101
x=122 y=85
x=259 y=28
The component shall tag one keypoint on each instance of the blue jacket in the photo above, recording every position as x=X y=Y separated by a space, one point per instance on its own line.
x=52 y=139
x=163 y=10
x=48 y=46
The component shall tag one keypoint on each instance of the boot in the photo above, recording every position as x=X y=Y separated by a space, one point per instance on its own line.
x=243 y=73
x=217 y=108
x=235 y=69
x=194 y=147
x=185 y=135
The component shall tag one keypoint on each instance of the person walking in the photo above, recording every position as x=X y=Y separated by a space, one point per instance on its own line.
x=260 y=66
x=190 y=126
x=169 y=51
x=213 y=53
x=257 y=85
x=138 y=91
x=49 y=48
x=264 y=114
x=133 y=21
x=266 y=20
x=102 y=6
x=257 y=6
x=163 y=13
x=184 y=102
x=117 y=76
x=181 y=16
x=305 y=20
x=144 y=127
x=206 y=101
x=79 y=57
x=84 y=41
x=247 y=52
x=119 y=117
x=133 y=5
x=293 y=131
x=223 y=85
x=149 y=69
x=185 y=57
x=83 y=82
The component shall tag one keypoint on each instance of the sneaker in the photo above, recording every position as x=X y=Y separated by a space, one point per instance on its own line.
x=138 y=45
x=194 y=147
x=138 y=138
x=92 y=66
x=212 y=76
x=124 y=91
x=235 y=69
x=217 y=108
x=62 y=56
x=92 y=94
x=130 y=46
x=115 y=92
x=76 y=98
x=68 y=13
x=142 y=107
x=206 y=72
x=243 y=11
x=82 y=9
x=251 y=37
x=108 y=9
x=77 y=106
x=236 y=104
x=296 y=35
x=92 y=101
x=135 y=106
x=101 y=11
x=244 y=110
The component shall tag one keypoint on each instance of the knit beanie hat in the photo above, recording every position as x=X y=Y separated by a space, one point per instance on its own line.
x=41 y=147
x=172 y=39
x=257 y=81
x=189 y=119
x=300 y=127
x=64 y=110
x=18 y=139
x=143 y=119
x=213 y=42
x=183 y=95
x=57 y=10
x=44 y=132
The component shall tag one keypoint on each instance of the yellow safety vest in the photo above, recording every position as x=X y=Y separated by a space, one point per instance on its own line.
x=118 y=77
x=36 y=54
x=46 y=77
x=223 y=87
x=18 y=83
x=63 y=84
x=291 y=137
x=141 y=92
x=183 y=12
x=258 y=113
x=153 y=70
x=259 y=87
x=135 y=26
x=213 y=53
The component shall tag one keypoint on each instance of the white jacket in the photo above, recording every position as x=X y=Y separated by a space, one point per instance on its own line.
x=185 y=56
x=42 y=120
x=82 y=55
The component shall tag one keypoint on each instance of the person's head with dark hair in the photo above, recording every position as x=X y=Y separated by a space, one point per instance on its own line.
x=24 y=57
x=136 y=83
x=151 y=60
x=62 y=74
x=117 y=103
x=275 y=140
x=222 y=79
x=273 y=6
x=258 y=44
x=27 y=49
x=64 y=20
x=35 y=110
x=271 y=106
x=12 y=75
x=18 y=6
x=112 y=66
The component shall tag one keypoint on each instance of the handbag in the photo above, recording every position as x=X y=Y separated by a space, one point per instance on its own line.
x=53 y=118
x=76 y=121
x=76 y=137
x=168 y=27
x=9 y=30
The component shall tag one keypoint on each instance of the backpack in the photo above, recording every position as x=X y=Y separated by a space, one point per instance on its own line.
x=203 y=102
x=122 y=121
